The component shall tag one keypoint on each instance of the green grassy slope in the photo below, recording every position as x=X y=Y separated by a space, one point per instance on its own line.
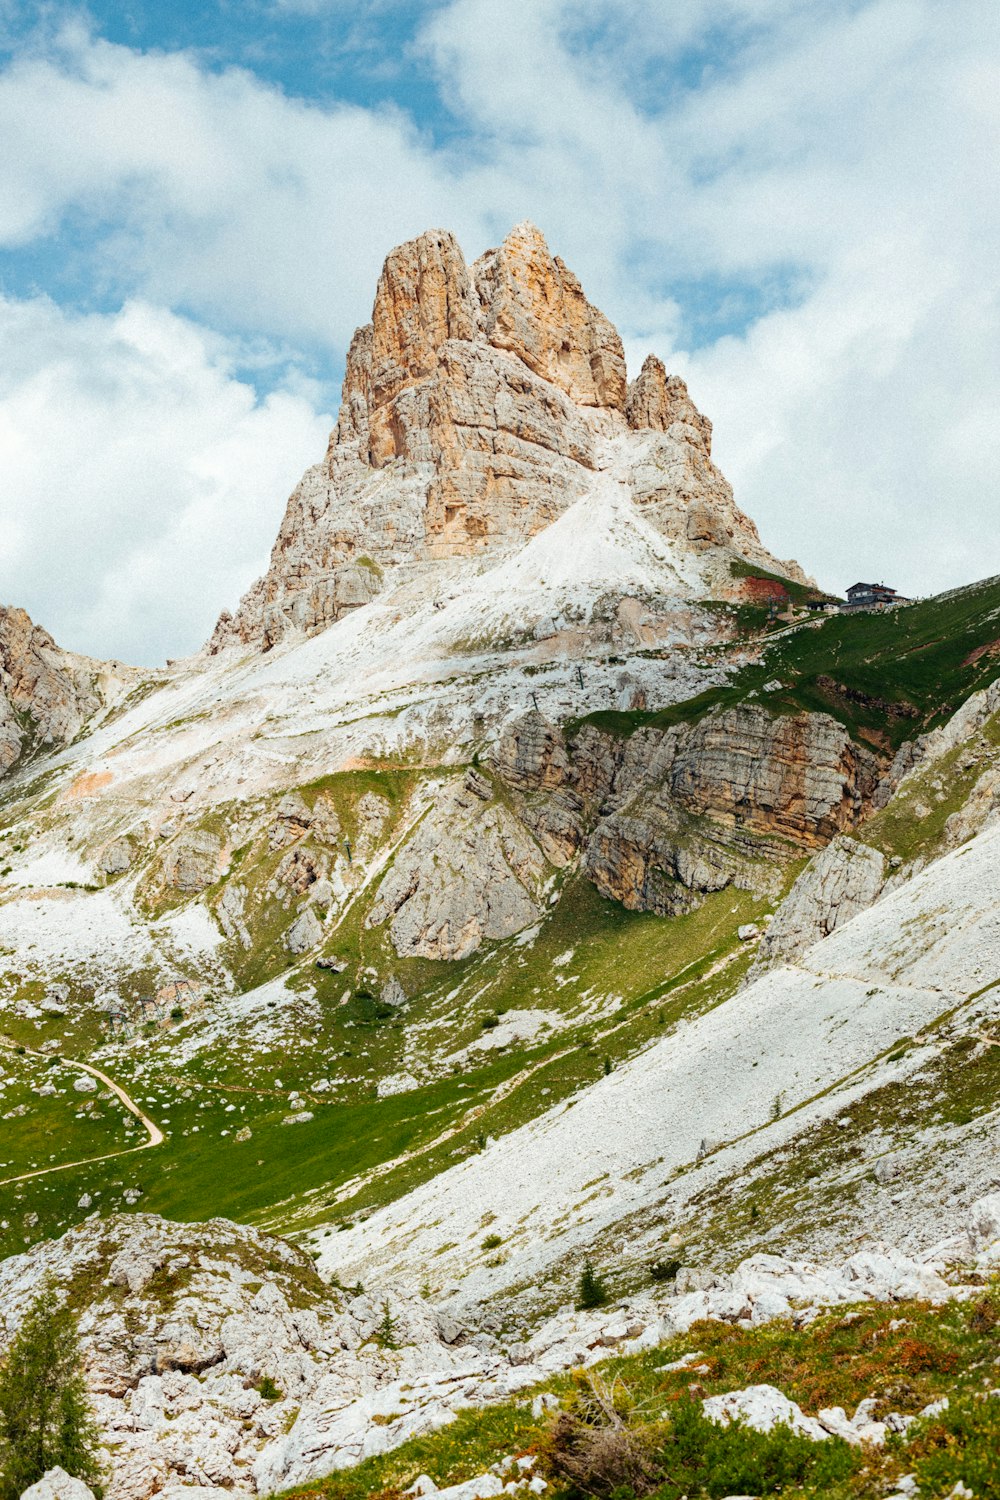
x=608 y=981
x=622 y=979
x=888 y=677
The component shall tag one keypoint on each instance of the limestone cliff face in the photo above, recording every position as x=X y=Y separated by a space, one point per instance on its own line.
x=843 y=880
x=46 y=695
x=477 y=405
x=669 y=814
x=470 y=874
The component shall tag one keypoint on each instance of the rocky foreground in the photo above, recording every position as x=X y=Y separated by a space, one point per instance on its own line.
x=217 y=1358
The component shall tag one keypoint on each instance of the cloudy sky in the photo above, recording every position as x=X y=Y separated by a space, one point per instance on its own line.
x=793 y=202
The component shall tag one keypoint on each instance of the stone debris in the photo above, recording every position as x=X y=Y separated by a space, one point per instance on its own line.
x=763 y=1408
x=174 y=1373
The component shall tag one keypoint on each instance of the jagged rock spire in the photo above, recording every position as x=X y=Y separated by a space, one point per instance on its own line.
x=476 y=405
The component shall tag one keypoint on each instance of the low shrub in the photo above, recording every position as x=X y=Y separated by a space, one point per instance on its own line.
x=603 y=1446
x=664 y=1270
x=961 y=1444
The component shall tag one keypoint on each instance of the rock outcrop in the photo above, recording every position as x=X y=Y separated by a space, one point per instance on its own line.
x=659 y=401
x=477 y=405
x=56 y=1484
x=216 y=1358
x=842 y=880
x=469 y=874
x=669 y=814
x=180 y=1325
x=46 y=695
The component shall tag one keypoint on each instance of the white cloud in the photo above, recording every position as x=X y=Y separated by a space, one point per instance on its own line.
x=143 y=481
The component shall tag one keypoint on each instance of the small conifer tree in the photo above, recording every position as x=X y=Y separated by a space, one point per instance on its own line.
x=385 y=1333
x=45 y=1418
x=591 y=1292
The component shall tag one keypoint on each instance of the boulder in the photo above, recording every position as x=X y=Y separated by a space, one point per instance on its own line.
x=116 y=857
x=396 y=1083
x=194 y=860
x=762 y=1407
x=56 y=1484
x=983 y=1224
x=305 y=932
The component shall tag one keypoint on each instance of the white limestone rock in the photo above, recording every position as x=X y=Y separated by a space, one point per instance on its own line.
x=56 y=1484
x=762 y=1407
x=983 y=1227
x=305 y=932
x=842 y=880
x=469 y=874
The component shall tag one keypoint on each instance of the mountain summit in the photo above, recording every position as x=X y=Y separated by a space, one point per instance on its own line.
x=478 y=405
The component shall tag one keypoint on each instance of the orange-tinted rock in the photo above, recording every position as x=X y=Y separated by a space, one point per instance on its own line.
x=45 y=693
x=476 y=407
x=534 y=307
x=660 y=401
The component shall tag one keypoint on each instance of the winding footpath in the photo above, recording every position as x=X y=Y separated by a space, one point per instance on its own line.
x=153 y=1131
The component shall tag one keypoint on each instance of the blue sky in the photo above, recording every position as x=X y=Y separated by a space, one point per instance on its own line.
x=786 y=199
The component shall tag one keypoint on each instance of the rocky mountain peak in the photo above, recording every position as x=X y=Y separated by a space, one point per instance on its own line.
x=534 y=307
x=657 y=400
x=478 y=405
x=46 y=694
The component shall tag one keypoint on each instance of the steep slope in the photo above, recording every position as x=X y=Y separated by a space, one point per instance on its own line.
x=217 y=1360
x=785 y=1055
x=334 y=912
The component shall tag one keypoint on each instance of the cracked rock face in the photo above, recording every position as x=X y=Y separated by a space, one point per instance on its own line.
x=840 y=881
x=469 y=874
x=194 y=860
x=668 y=815
x=476 y=408
x=46 y=695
